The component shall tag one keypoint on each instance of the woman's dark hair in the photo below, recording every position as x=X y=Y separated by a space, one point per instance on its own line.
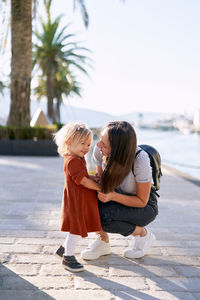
x=123 y=142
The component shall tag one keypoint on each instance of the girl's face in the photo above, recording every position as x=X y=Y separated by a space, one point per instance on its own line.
x=104 y=144
x=81 y=148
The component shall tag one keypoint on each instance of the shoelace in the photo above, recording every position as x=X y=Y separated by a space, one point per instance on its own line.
x=73 y=260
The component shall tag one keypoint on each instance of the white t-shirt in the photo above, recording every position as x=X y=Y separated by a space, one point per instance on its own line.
x=142 y=171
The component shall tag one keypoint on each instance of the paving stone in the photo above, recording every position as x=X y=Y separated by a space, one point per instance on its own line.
x=154 y=295
x=171 y=236
x=22 y=233
x=54 y=270
x=181 y=251
x=175 y=284
x=169 y=260
x=4 y=258
x=115 y=283
x=33 y=258
x=183 y=244
x=17 y=248
x=38 y=241
x=70 y=294
x=196 y=296
x=16 y=295
x=120 y=251
x=113 y=259
x=20 y=269
x=144 y=271
x=97 y=270
x=7 y=240
x=36 y=282
x=188 y=271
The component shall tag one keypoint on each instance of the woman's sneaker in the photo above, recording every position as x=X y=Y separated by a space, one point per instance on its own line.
x=60 y=251
x=140 y=246
x=70 y=263
x=96 y=249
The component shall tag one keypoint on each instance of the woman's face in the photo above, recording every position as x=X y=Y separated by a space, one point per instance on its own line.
x=104 y=144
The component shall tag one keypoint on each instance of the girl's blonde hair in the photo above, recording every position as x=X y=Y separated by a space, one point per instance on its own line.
x=74 y=131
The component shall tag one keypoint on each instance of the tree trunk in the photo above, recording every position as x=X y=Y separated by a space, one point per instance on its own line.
x=21 y=64
x=50 y=93
x=57 y=110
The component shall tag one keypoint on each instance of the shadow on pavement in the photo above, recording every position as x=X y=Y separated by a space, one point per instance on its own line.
x=163 y=278
x=14 y=287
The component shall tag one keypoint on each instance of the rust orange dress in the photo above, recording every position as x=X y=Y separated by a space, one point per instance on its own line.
x=80 y=213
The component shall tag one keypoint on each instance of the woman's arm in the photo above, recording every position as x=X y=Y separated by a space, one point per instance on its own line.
x=90 y=184
x=140 y=200
x=99 y=170
x=97 y=176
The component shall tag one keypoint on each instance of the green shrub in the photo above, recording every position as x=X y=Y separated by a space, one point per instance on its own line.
x=27 y=133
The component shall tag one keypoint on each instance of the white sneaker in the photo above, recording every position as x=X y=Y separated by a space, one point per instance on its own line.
x=96 y=249
x=141 y=246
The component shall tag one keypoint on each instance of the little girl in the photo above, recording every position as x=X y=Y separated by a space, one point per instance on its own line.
x=80 y=213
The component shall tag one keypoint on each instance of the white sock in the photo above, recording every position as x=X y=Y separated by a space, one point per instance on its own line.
x=70 y=244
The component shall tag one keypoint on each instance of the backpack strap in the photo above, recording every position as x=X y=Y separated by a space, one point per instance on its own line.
x=136 y=154
x=152 y=189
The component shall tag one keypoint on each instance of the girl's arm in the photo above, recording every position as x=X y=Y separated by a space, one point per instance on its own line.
x=90 y=184
x=140 y=200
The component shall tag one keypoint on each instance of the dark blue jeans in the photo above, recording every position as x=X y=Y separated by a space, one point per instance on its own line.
x=118 y=218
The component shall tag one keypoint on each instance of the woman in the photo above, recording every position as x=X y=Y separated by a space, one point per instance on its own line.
x=126 y=202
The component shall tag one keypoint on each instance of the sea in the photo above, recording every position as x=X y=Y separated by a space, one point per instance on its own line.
x=177 y=150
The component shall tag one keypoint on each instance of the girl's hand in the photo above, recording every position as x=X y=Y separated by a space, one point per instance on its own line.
x=105 y=197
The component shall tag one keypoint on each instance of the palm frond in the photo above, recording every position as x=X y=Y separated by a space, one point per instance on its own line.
x=84 y=12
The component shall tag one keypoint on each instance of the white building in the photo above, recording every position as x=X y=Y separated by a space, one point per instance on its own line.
x=196 y=119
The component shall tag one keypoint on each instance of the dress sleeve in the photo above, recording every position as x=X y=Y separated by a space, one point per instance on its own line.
x=142 y=168
x=76 y=170
x=97 y=156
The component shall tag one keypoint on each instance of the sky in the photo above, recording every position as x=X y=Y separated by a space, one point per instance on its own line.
x=146 y=54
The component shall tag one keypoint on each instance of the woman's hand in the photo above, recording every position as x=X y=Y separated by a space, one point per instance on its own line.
x=105 y=197
x=96 y=178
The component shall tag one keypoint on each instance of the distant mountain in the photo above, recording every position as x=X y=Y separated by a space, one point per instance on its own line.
x=143 y=117
x=91 y=117
x=68 y=113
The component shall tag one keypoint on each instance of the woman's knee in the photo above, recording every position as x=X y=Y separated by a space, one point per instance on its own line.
x=148 y=217
x=119 y=227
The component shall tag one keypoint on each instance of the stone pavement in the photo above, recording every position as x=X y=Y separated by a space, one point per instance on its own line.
x=30 y=201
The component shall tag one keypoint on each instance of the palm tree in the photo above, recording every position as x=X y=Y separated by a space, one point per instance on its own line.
x=64 y=84
x=21 y=62
x=56 y=54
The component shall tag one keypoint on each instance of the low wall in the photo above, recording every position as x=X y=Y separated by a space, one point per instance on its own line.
x=28 y=147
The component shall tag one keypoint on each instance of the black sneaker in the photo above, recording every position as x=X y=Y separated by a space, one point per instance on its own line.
x=70 y=263
x=60 y=251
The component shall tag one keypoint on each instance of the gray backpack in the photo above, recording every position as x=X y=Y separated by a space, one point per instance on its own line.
x=155 y=161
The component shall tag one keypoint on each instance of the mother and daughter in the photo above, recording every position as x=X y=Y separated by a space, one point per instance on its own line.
x=117 y=200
